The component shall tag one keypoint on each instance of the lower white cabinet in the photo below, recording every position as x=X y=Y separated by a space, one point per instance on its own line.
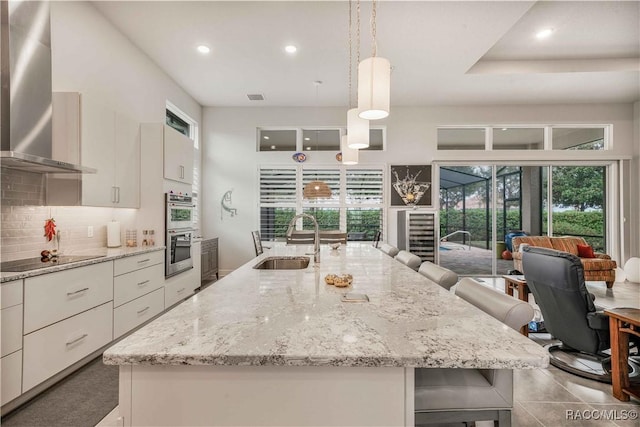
x=11 y=341
x=52 y=349
x=11 y=367
x=136 y=312
x=11 y=335
x=129 y=286
x=179 y=287
x=56 y=296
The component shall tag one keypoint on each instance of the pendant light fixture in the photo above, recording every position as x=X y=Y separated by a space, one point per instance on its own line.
x=357 y=127
x=316 y=190
x=374 y=80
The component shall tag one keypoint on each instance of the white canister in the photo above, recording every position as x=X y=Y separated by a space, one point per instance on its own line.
x=113 y=234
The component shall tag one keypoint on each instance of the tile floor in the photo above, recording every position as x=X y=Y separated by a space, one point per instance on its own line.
x=551 y=397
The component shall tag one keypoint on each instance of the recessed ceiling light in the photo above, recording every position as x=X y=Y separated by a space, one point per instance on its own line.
x=265 y=137
x=504 y=128
x=307 y=139
x=543 y=34
x=203 y=49
x=273 y=147
x=290 y=49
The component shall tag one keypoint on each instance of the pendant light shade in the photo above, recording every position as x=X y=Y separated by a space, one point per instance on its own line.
x=357 y=129
x=349 y=155
x=316 y=190
x=374 y=88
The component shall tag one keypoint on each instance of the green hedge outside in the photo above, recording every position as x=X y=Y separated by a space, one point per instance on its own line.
x=572 y=223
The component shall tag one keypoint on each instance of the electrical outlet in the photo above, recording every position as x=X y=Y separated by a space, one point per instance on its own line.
x=90 y=231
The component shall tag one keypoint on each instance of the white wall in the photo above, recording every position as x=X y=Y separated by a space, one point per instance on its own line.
x=230 y=160
x=92 y=57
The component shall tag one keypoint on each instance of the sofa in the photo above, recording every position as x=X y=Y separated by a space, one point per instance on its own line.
x=600 y=267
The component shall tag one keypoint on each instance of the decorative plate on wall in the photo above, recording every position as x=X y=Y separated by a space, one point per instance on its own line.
x=299 y=157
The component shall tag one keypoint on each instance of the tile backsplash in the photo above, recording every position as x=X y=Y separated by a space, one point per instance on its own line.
x=23 y=216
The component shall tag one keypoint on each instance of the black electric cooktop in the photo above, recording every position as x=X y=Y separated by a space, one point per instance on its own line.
x=36 y=263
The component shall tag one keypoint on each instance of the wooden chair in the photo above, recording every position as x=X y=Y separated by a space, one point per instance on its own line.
x=464 y=395
x=376 y=239
x=333 y=236
x=301 y=237
x=257 y=242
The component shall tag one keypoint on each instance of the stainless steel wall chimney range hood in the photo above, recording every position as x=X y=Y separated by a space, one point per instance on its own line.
x=25 y=98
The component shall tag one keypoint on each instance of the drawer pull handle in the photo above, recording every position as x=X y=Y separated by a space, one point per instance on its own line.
x=77 y=292
x=144 y=260
x=72 y=342
x=181 y=290
x=143 y=283
x=143 y=310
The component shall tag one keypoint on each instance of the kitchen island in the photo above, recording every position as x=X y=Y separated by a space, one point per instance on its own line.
x=278 y=347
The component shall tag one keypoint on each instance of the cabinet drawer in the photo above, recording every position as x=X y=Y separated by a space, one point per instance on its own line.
x=11 y=368
x=129 y=286
x=136 y=312
x=11 y=294
x=180 y=287
x=50 y=350
x=56 y=296
x=132 y=263
x=11 y=333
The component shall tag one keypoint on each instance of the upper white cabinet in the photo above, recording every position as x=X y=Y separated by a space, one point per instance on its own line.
x=106 y=140
x=178 y=156
x=111 y=144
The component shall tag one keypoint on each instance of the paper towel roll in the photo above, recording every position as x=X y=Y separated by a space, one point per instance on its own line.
x=113 y=234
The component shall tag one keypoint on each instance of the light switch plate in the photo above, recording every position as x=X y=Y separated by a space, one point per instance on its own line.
x=90 y=231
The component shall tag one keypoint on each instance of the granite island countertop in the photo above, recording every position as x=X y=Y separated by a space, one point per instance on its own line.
x=257 y=317
x=104 y=254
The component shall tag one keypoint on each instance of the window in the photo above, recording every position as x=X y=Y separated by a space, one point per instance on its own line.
x=312 y=139
x=177 y=123
x=277 y=140
x=356 y=203
x=557 y=137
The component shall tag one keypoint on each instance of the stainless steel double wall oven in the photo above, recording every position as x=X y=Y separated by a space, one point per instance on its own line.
x=180 y=230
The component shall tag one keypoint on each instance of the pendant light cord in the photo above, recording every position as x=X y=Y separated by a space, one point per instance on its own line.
x=374 y=43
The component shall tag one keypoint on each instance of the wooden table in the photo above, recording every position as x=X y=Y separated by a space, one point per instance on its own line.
x=519 y=283
x=622 y=323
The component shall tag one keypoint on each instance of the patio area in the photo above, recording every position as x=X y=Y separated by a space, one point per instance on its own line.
x=470 y=261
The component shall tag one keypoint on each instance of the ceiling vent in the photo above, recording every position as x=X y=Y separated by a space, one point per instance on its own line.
x=255 y=97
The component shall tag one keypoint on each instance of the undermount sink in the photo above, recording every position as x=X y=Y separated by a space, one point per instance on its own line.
x=283 y=263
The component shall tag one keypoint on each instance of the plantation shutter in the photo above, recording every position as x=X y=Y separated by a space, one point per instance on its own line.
x=277 y=201
x=364 y=186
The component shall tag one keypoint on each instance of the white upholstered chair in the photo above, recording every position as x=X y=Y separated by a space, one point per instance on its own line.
x=464 y=395
x=442 y=276
x=410 y=260
x=392 y=251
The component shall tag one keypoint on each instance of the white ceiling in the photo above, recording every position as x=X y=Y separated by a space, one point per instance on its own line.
x=442 y=52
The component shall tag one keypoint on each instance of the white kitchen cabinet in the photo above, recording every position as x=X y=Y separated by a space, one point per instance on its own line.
x=11 y=367
x=136 y=312
x=136 y=262
x=11 y=299
x=56 y=296
x=138 y=288
x=65 y=343
x=180 y=286
x=178 y=156
x=109 y=141
x=132 y=285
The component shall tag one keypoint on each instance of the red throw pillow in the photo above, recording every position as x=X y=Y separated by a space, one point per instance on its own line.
x=585 y=251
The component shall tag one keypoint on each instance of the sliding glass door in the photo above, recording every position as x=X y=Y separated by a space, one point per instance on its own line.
x=537 y=200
